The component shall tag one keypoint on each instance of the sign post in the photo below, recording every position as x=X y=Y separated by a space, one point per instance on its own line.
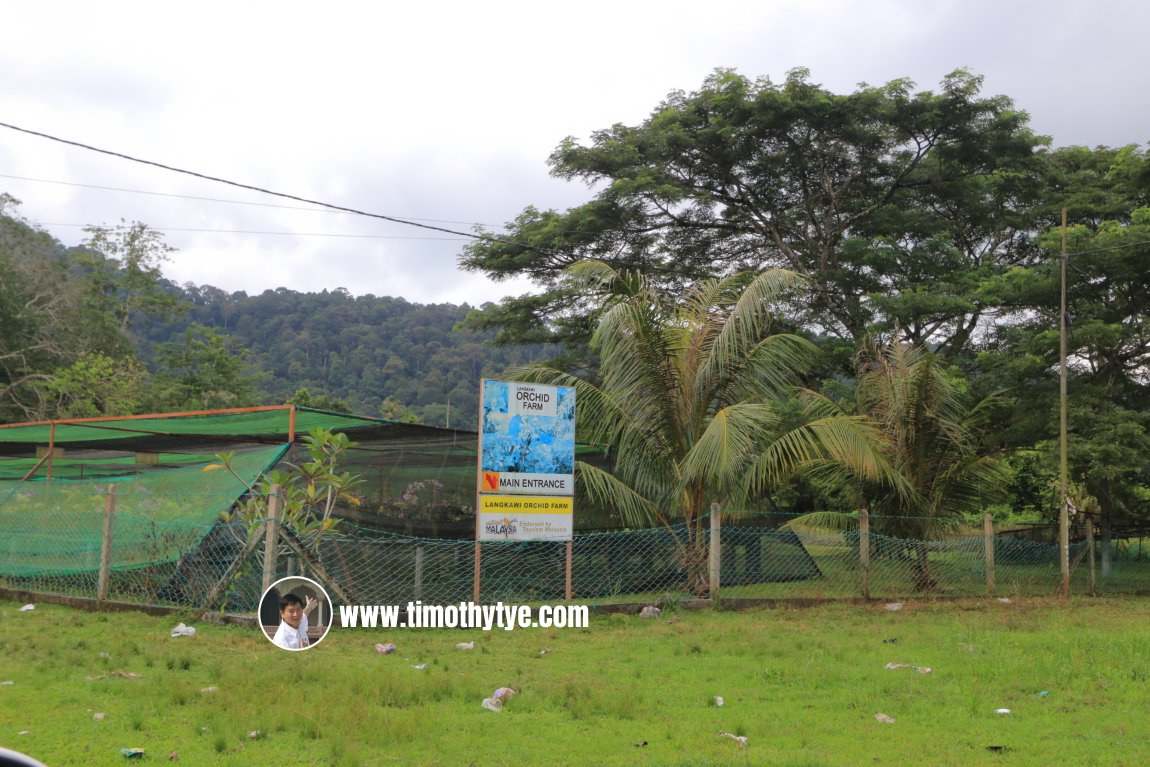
x=526 y=482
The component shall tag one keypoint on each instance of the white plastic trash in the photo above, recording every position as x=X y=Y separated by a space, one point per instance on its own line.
x=26 y=608
x=719 y=701
x=884 y=718
x=1002 y=711
x=493 y=704
x=893 y=607
x=385 y=649
x=465 y=646
x=650 y=611
x=740 y=739
x=183 y=631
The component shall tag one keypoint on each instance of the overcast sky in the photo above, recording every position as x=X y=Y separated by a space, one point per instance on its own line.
x=446 y=112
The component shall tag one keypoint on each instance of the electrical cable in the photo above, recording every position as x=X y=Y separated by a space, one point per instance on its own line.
x=209 y=199
x=286 y=234
x=250 y=187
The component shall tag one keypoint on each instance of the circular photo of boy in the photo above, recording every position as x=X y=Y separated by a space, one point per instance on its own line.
x=295 y=613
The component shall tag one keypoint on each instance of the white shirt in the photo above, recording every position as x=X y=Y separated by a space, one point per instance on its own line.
x=292 y=639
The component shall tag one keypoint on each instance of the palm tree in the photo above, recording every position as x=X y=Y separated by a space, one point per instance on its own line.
x=933 y=441
x=687 y=401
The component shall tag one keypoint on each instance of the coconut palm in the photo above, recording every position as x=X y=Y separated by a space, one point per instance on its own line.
x=687 y=401
x=933 y=441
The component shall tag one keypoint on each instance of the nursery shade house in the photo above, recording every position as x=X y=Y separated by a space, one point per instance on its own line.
x=56 y=477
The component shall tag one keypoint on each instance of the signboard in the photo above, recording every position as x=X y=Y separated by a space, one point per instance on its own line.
x=526 y=449
x=525 y=518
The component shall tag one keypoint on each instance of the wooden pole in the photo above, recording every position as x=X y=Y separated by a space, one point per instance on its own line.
x=1090 y=553
x=568 y=570
x=1063 y=481
x=478 y=488
x=475 y=591
x=864 y=549
x=419 y=571
x=988 y=534
x=271 y=537
x=106 y=544
x=716 y=550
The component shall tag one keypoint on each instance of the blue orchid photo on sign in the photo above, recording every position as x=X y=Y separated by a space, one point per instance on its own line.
x=528 y=428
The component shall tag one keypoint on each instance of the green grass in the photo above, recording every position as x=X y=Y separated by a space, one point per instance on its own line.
x=802 y=685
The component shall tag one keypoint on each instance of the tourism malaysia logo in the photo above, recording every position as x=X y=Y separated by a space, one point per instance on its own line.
x=505 y=527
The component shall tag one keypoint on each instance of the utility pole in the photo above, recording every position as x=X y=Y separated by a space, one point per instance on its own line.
x=1063 y=515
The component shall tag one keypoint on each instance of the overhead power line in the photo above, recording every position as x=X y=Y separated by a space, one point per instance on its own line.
x=286 y=234
x=261 y=190
x=207 y=199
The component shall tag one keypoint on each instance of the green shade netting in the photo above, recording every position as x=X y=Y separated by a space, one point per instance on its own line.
x=56 y=527
x=270 y=423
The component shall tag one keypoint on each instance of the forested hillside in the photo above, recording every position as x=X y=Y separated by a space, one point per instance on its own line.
x=95 y=329
x=369 y=354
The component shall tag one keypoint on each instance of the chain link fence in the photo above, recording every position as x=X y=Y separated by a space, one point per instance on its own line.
x=102 y=542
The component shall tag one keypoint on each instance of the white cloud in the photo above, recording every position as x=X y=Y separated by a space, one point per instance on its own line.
x=449 y=110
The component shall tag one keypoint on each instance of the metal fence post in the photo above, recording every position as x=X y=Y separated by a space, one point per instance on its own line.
x=864 y=549
x=419 y=551
x=716 y=550
x=271 y=537
x=988 y=538
x=106 y=543
x=1090 y=553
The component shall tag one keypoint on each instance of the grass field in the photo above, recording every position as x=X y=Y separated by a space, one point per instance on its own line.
x=802 y=685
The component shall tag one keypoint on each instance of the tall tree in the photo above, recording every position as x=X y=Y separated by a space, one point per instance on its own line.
x=895 y=205
x=126 y=268
x=687 y=400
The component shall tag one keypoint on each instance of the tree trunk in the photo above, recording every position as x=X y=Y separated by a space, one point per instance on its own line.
x=923 y=581
x=1105 y=502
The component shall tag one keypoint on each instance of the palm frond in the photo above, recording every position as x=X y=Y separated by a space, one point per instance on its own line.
x=608 y=490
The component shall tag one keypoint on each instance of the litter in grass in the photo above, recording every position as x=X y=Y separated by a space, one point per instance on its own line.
x=7 y=683
x=498 y=698
x=255 y=734
x=183 y=631
x=740 y=739
x=98 y=716
x=385 y=649
x=1044 y=693
x=884 y=718
x=132 y=753
x=919 y=669
x=1002 y=711
x=893 y=607
x=465 y=646
x=650 y=611
x=1004 y=600
x=420 y=667
x=892 y=640
x=641 y=745
x=174 y=756
x=26 y=608
x=117 y=674
x=719 y=701
x=210 y=689
x=24 y=732
x=544 y=651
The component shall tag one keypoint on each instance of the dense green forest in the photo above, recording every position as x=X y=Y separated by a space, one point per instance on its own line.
x=929 y=220
x=95 y=329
